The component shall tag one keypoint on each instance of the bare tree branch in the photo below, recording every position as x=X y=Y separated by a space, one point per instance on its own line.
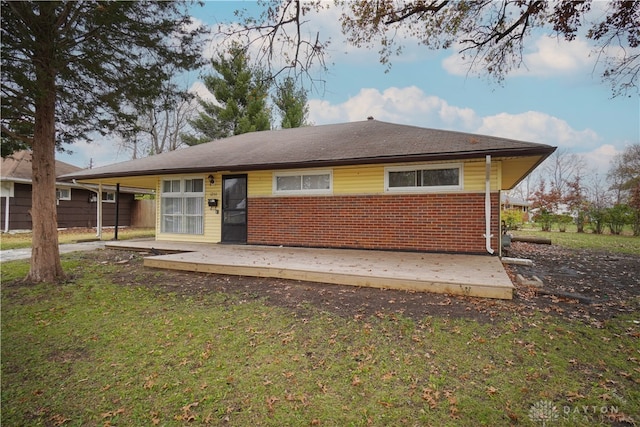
x=278 y=37
x=414 y=9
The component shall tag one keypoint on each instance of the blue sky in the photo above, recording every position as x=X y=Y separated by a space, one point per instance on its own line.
x=558 y=99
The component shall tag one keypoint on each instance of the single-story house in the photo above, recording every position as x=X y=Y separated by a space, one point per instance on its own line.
x=76 y=203
x=364 y=185
x=510 y=203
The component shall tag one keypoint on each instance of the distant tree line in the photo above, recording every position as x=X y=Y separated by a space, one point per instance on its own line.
x=565 y=195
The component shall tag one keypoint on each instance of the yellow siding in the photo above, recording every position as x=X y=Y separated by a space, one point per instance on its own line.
x=474 y=176
x=369 y=179
x=158 y=208
x=213 y=216
x=260 y=183
x=358 y=179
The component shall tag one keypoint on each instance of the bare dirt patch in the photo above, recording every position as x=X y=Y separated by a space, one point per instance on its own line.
x=609 y=282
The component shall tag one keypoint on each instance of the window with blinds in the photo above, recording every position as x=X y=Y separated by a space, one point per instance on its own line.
x=182 y=206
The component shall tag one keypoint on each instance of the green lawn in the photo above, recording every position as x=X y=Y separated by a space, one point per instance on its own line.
x=603 y=242
x=90 y=353
x=23 y=240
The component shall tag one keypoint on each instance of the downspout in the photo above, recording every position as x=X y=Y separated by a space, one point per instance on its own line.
x=6 y=214
x=487 y=206
x=99 y=212
x=98 y=207
x=115 y=234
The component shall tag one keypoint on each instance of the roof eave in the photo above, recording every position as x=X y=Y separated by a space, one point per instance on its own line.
x=543 y=151
x=543 y=157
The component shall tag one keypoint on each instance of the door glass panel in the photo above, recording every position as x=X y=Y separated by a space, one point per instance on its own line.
x=235 y=217
x=234 y=209
x=235 y=193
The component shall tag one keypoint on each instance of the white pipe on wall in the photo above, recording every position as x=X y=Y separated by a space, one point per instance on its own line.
x=98 y=206
x=487 y=207
x=99 y=213
x=6 y=214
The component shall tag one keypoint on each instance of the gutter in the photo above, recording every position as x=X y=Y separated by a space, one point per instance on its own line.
x=6 y=215
x=487 y=206
x=543 y=151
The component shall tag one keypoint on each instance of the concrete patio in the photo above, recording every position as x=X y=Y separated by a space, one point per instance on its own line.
x=471 y=275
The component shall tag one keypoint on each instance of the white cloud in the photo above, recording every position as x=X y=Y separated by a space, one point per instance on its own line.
x=200 y=90
x=539 y=127
x=548 y=56
x=101 y=151
x=553 y=56
x=599 y=159
x=408 y=105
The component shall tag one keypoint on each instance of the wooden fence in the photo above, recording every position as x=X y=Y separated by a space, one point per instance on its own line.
x=143 y=213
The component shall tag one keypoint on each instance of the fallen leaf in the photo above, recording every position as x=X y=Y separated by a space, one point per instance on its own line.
x=388 y=376
x=270 y=402
x=571 y=396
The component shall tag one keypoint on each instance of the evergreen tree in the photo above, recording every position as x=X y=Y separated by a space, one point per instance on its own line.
x=70 y=68
x=241 y=100
x=291 y=103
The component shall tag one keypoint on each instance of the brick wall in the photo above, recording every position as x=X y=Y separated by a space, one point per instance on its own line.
x=424 y=222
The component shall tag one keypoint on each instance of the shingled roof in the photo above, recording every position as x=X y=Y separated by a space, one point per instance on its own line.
x=364 y=142
x=17 y=167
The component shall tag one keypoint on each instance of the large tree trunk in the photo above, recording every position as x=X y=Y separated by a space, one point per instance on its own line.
x=45 y=255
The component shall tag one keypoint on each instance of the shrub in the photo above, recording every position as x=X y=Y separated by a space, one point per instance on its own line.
x=617 y=217
x=545 y=219
x=563 y=221
x=512 y=219
x=597 y=219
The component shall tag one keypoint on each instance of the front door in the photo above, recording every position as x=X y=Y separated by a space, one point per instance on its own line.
x=234 y=209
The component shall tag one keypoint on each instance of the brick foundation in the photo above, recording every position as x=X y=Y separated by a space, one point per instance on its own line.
x=422 y=222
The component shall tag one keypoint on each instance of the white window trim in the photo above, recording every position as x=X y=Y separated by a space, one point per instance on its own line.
x=106 y=194
x=61 y=189
x=427 y=189
x=303 y=192
x=181 y=195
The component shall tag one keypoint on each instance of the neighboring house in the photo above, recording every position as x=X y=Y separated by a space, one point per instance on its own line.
x=368 y=184
x=510 y=203
x=76 y=204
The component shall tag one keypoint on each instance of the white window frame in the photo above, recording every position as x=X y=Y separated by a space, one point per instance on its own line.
x=108 y=197
x=183 y=196
x=60 y=191
x=302 y=191
x=425 y=189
